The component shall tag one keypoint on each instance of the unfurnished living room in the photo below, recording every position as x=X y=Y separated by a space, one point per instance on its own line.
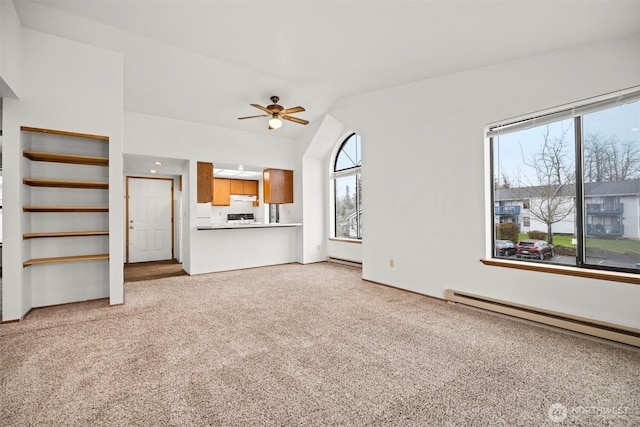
x=320 y=212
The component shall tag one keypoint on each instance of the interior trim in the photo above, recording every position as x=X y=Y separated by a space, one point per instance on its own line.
x=404 y=290
x=612 y=276
x=340 y=239
x=609 y=331
x=343 y=261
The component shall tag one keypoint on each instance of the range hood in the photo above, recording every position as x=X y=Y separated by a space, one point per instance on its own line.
x=241 y=198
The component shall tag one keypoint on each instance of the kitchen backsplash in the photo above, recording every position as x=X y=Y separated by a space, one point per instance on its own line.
x=208 y=214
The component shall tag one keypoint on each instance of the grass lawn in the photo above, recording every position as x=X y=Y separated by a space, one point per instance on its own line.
x=622 y=245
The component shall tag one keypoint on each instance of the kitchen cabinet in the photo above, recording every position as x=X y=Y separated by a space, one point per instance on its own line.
x=205 y=175
x=223 y=188
x=250 y=188
x=278 y=186
x=237 y=186
x=221 y=192
x=244 y=187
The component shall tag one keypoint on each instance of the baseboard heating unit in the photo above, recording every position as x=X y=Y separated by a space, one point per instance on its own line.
x=346 y=262
x=591 y=327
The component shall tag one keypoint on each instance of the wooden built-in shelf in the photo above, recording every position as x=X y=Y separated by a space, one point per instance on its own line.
x=52 y=260
x=65 y=234
x=43 y=156
x=60 y=183
x=64 y=133
x=65 y=208
x=67 y=162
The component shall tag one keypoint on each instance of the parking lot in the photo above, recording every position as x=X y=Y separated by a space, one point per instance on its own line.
x=571 y=261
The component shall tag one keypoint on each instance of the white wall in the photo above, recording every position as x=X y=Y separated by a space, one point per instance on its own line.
x=314 y=227
x=66 y=86
x=318 y=147
x=219 y=213
x=187 y=200
x=157 y=136
x=10 y=57
x=425 y=177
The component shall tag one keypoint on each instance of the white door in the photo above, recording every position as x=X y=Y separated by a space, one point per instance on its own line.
x=150 y=219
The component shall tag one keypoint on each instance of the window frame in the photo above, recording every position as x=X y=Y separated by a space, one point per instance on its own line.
x=577 y=111
x=346 y=172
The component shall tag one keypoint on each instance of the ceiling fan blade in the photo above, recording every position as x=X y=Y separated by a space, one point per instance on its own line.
x=292 y=110
x=296 y=120
x=253 y=117
x=260 y=107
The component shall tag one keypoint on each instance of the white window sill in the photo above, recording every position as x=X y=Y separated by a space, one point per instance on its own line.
x=342 y=239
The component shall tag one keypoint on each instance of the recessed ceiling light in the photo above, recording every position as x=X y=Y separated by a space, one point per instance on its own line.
x=158 y=163
x=152 y=171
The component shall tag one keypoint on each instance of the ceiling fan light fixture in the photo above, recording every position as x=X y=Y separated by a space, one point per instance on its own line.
x=275 y=122
x=277 y=113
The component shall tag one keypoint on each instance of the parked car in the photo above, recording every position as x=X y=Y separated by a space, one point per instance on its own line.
x=534 y=249
x=505 y=248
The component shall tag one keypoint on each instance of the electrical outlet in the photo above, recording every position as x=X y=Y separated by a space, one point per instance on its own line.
x=318 y=247
x=391 y=262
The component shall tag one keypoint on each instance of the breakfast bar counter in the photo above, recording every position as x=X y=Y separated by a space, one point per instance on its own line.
x=225 y=226
x=239 y=246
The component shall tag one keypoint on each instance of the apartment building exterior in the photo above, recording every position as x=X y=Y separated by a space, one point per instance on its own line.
x=612 y=209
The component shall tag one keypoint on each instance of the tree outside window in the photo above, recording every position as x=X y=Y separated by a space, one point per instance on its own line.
x=577 y=181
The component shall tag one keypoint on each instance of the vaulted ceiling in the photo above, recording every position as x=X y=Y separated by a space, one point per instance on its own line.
x=206 y=61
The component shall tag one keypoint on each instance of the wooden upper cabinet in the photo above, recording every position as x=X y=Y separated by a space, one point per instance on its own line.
x=244 y=187
x=250 y=188
x=221 y=192
x=278 y=186
x=237 y=187
x=223 y=188
x=205 y=175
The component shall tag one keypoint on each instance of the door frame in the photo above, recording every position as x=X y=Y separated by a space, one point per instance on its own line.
x=126 y=221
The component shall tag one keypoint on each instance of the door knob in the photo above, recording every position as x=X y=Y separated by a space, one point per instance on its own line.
x=131 y=227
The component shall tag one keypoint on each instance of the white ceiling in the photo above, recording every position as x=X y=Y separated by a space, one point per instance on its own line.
x=205 y=61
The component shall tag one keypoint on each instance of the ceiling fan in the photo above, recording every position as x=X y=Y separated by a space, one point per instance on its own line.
x=277 y=112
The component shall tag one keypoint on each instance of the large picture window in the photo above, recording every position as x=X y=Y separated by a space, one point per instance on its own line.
x=348 y=189
x=566 y=186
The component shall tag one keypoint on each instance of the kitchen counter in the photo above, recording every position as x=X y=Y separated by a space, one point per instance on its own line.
x=222 y=226
x=238 y=246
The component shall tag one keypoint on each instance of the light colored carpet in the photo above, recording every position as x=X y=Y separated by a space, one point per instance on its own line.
x=302 y=345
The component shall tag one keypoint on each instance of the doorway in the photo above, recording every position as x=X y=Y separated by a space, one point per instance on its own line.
x=149 y=221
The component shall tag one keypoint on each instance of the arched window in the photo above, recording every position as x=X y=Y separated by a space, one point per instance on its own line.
x=348 y=189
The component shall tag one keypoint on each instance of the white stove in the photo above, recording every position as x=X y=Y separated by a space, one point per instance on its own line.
x=245 y=218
